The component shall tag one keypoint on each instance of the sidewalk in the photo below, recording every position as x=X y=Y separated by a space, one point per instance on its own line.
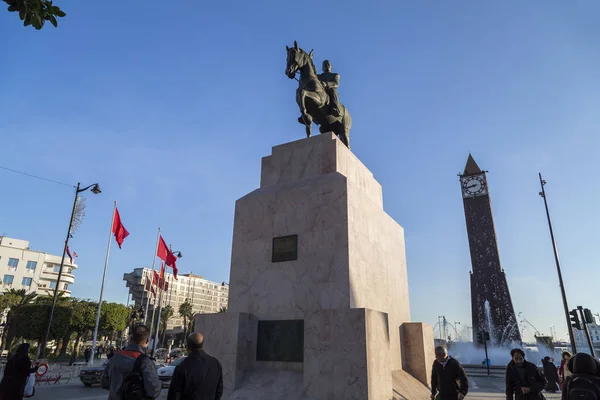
x=487 y=388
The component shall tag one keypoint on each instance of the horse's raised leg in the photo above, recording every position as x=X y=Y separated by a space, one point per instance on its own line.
x=301 y=97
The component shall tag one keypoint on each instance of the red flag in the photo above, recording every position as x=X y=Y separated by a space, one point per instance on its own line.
x=161 y=278
x=75 y=255
x=69 y=253
x=118 y=229
x=165 y=254
x=154 y=278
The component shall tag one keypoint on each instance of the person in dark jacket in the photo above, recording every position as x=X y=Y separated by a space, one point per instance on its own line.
x=551 y=374
x=121 y=364
x=524 y=381
x=448 y=377
x=199 y=376
x=16 y=372
x=581 y=364
x=87 y=353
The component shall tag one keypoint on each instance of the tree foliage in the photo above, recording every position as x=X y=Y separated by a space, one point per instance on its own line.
x=31 y=321
x=15 y=300
x=186 y=312
x=114 y=317
x=35 y=12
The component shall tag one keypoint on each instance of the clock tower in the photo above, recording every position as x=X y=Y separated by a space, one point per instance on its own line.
x=491 y=305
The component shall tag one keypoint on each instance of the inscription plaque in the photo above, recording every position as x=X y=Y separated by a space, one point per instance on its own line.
x=285 y=248
x=280 y=341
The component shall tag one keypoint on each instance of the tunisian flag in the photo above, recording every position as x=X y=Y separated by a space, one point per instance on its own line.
x=165 y=254
x=118 y=229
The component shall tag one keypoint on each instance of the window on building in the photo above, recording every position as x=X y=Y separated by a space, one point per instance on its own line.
x=26 y=282
x=31 y=265
x=52 y=285
x=66 y=286
x=57 y=269
x=13 y=262
x=8 y=279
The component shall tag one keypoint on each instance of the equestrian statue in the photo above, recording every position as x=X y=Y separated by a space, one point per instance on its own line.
x=317 y=95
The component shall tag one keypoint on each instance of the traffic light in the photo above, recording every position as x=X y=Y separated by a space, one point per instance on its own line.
x=589 y=318
x=483 y=337
x=575 y=323
x=480 y=337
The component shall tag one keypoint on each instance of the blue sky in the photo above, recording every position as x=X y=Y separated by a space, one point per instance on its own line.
x=171 y=107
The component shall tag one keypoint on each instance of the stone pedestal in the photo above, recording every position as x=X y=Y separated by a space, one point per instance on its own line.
x=315 y=254
x=417 y=350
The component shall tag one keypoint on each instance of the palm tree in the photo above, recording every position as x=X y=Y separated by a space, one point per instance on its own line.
x=165 y=315
x=186 y=312
x=15 y=299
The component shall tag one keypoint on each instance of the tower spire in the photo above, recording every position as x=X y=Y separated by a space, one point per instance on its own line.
x=471 y=167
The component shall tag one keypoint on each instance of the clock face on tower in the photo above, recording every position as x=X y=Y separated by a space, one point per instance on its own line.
x=473 y=186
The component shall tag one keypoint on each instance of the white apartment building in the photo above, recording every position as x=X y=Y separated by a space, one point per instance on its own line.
x=581 y=338
x=206 y=296
x=35 y=271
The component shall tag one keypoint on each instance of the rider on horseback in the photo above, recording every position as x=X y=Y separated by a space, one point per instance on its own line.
x=331 y=81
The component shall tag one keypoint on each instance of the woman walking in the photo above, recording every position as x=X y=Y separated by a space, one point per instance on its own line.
x=563 y=371
x=16 y=372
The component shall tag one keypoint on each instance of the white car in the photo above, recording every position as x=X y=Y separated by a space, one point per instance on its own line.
x=165 y=374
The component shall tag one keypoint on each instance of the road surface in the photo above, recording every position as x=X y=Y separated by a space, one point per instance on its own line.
x=482 y=388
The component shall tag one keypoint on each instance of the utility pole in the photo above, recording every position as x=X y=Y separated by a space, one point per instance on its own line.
x=557 y=260
x=482 y=338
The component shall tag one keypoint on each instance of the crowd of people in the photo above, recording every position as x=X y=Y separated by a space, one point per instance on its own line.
x=132 y=374
x=577 y=377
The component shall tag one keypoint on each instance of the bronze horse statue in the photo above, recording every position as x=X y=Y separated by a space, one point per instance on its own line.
x=312 y=98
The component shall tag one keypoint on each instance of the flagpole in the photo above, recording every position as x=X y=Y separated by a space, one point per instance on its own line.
x=158 y=319
x=95 y=337
x=147 y=299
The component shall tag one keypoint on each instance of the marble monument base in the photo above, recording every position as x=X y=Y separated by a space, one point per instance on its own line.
x=346 y=356
x=318 y=298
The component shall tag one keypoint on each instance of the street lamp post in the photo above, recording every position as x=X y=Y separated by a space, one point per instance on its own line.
x=556 y=259
x=95 y=188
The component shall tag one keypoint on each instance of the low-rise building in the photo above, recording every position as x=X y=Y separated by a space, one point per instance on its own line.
x=32 y=270
x=581 y=339
x=206 y=296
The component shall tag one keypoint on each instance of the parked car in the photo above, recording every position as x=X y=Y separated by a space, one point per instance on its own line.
x=92 y=375
x=165 y=374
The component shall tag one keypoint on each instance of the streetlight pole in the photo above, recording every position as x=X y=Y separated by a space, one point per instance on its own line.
x=95 y=190
x=557 y=260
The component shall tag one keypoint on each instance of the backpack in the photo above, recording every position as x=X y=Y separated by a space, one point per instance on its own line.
x=133 y=384
x=583 y=387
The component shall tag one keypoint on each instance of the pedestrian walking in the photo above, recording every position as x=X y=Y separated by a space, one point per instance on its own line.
x=551 y=374
x=584 y=383
x=523 y=379
x=16 y=372
x=132 y=366
x=199 y=376
x=448 y=378
x=87 y=353
x=110 y=354
x=563 y=371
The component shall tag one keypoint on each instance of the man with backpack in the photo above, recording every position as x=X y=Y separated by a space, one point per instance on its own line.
x=584 y=383
x=131 y=374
